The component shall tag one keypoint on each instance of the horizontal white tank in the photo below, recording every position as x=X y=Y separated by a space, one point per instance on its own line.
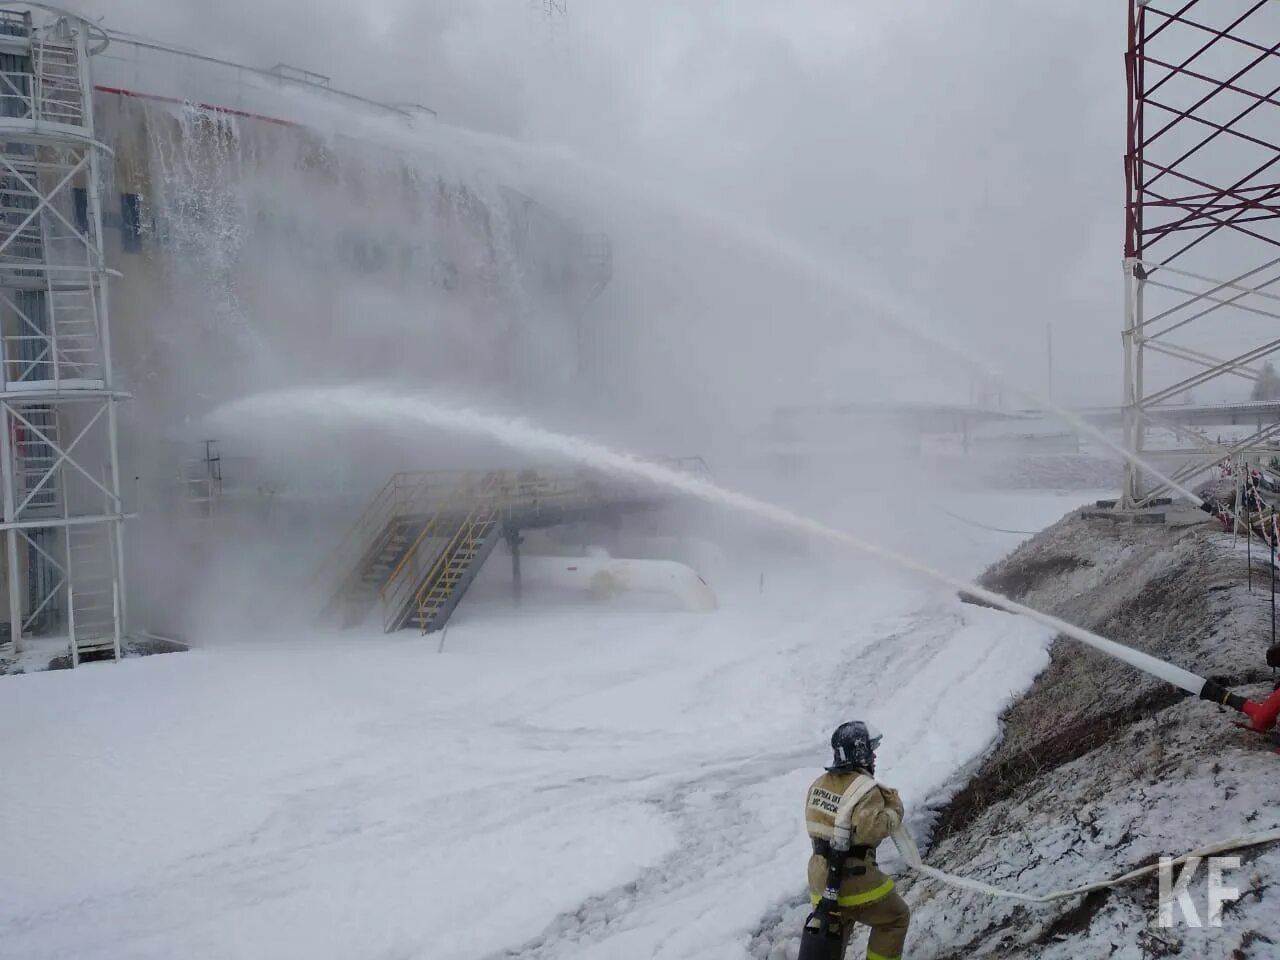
x=607 y=576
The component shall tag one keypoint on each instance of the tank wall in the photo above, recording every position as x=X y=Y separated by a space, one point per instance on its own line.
x=255 y=255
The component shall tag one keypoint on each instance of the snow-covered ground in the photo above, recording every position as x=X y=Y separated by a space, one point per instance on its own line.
x=589 y=781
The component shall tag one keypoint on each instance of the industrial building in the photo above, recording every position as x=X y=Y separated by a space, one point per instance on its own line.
x=176 y=230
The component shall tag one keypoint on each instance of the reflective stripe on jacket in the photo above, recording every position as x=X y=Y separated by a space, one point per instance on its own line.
x=875 y=817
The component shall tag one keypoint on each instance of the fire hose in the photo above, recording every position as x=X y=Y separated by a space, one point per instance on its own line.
x=1262 y=716
x=911 y=856
x=822 y=936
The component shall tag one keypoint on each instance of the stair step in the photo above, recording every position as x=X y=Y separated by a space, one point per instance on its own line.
x=95 y=645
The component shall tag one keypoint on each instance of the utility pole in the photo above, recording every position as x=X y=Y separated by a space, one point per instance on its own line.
x=1049 y=331
x=553 y=14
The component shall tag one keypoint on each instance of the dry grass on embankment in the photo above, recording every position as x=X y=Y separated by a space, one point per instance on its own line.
x=1102 y=768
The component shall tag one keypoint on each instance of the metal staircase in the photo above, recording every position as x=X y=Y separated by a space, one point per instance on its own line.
x=421 y=541
x=398 y=587
x=372 y=576
x=62 y=512
x=19 y=229
x=35 y=451
x=403 y=539
x=201 y=479
x=456 y=567
x=74 y=337
x=91 y=591
x=378 y=540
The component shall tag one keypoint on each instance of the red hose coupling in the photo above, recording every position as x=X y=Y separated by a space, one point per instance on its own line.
x=1262 y=716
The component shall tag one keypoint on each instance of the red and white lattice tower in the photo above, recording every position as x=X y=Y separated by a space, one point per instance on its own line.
x=1202 y=225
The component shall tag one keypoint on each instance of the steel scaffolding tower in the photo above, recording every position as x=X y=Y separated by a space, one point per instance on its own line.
x=548 y=32
x=62 y=511
x=551 y=8
x=1202 y=226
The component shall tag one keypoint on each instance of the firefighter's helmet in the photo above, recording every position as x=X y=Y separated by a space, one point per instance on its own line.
x=853 y=745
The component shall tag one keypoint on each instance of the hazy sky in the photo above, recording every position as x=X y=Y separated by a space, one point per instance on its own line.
x=967 y=155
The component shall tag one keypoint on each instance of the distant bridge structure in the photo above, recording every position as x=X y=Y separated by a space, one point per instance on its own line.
x=1189 y=422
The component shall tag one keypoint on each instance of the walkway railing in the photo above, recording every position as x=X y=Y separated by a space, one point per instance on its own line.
x=141 y=67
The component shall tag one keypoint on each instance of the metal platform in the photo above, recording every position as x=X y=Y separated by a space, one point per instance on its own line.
x=419 y=544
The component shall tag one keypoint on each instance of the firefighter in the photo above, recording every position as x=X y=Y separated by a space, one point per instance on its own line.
x=866 y=895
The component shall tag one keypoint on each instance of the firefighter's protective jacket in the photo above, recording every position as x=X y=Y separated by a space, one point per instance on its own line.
x=875 y=817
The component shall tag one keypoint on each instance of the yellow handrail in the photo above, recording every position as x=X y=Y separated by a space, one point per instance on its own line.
x=385 y=493
x=384 y=507
x=412 y=552
x=483 y=493
x=442 y=561
x=487 y=482
x=479 y=515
